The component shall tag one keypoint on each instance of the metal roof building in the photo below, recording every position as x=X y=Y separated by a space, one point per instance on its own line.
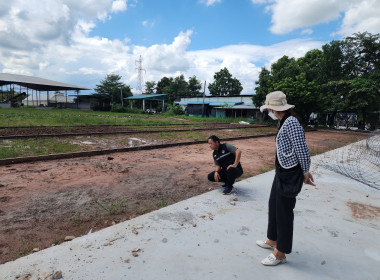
x=34 y=84
x=143 y=97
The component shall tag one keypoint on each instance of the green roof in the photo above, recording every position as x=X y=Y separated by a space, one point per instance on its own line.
x=147 y=96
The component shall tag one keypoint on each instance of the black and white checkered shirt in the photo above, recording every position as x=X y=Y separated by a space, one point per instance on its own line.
x=291 y=145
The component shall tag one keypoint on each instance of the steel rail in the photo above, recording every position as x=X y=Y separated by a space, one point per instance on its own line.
x=122 y=132
x=9 y=161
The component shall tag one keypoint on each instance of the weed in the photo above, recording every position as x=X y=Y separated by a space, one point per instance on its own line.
x=163 y=203
x=24 y=249
x=114 y=207
x=264 y=170
x=313 y=152
x=55 y=241
x=143 y=211
x=76 y=219
x=245 y=176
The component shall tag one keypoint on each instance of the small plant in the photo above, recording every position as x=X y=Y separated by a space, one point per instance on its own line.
x=313 y=152
x=76 y=219
x=163 y=203
x=114 y=207
x=264 y=170
x=143 y=211
x=245 y=176
x=24 y=249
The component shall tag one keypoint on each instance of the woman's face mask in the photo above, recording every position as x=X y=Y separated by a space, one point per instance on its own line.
x=270 y=114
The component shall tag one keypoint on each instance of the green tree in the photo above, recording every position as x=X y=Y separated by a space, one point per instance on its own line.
x=111 y=89
x=194 y=87
x=150 y=87
x=179 y=88
x=224 y=84
x=164 y=85
x=263 y=86
x=362 y=68
x=285 y=67
x=301 y=93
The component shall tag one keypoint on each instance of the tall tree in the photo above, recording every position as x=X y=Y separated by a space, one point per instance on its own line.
x=111 y=89
x=362 y=66
x=163 y=86
x=150 y=87
x=179 y=88
x=263 y=86
x=194 y=87
x=224 y=84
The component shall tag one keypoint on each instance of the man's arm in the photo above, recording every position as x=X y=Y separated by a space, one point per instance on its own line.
x=216 y=173
x=237 y=159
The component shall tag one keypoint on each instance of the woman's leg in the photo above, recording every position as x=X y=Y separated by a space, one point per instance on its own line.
x=285 y=218
x=272 y=218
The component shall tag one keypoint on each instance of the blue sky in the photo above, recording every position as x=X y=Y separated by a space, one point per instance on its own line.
x=221 y=24
x=80 y=42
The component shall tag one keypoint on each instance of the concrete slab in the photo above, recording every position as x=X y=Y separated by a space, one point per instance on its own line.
x=212 y=236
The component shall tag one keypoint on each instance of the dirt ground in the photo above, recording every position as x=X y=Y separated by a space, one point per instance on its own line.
x=42 y=203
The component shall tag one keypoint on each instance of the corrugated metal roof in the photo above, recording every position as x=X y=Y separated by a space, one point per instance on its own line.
x=36 y=83
x=147 y=96
x=238 y=107
x=192 y=103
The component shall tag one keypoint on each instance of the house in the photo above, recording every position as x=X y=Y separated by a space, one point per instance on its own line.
x=220 y=106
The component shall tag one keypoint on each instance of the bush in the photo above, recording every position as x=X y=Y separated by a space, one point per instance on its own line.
x=118 y=108
x=175 y=109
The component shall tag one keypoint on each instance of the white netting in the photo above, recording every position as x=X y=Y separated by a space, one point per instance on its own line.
x=359 y=161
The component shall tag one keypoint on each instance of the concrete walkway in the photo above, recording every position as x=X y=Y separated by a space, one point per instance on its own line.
x=213 y=236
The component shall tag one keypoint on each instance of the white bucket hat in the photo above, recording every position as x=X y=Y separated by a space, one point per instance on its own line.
x=276 y=101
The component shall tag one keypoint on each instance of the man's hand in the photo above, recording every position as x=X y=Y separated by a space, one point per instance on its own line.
x=231 y=166
x=308 y=179
x=216 y=176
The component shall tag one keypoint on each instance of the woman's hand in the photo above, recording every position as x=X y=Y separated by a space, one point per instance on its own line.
x=308 y=179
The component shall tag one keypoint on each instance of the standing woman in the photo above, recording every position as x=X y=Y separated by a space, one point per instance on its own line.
x=292 y=170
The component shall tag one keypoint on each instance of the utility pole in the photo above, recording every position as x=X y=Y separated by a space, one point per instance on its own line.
x=140 y=75
x=203 y=103
x=121 y=96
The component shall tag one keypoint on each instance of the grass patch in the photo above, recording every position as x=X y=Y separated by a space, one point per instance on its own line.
x=163 y=203
x=24 y=249
x=119 y=206
x=35 y=147
x=245 y=176
x=264 y=170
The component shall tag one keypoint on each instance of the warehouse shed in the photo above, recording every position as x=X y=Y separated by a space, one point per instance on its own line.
x=28 y=87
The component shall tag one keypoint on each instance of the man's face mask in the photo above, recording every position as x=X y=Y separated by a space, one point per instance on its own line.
x=270 y=114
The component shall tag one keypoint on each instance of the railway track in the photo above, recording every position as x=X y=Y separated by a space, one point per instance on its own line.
x=39 y=132
x=9 y=161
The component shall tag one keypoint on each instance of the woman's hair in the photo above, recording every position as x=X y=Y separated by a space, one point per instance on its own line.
x=292 y=113
x=214 y=138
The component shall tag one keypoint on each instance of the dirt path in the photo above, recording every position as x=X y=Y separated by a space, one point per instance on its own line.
x=41 y=203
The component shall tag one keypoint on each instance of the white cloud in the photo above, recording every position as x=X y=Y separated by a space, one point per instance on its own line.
x=210 y=2
x=259 y=1
x=308 y=31
x=119 y=6
x=51 y=39
x=361 y=17
x=147 y=23
x=289 y=15
x=356 y=15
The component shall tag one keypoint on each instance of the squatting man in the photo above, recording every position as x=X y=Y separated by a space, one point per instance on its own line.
x=227 y=163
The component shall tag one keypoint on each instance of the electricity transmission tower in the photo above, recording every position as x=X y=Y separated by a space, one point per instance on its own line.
x=140 y=76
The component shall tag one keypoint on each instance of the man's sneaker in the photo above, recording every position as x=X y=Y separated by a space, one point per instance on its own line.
x=227 y=190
